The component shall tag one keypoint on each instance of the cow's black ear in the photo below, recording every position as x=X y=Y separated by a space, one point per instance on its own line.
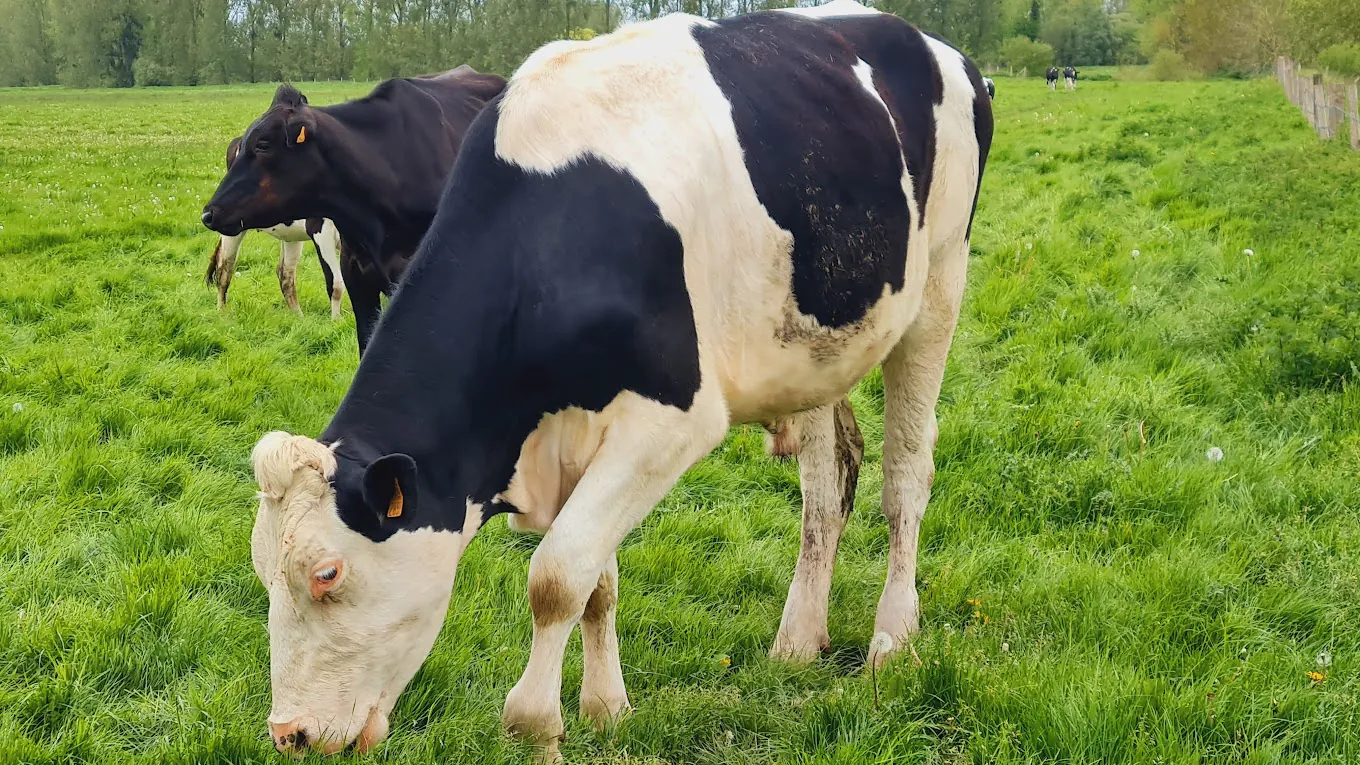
x=300 y=129
x=287 y=95
x=390 y=487
x=233 y=149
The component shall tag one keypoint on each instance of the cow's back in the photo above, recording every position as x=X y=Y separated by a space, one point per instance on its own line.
x=774 y=148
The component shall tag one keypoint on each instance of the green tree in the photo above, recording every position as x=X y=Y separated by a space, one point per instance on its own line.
x=1024 y=53
x=27 y=55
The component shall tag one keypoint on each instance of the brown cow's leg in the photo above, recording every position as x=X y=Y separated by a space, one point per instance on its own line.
x=222 y=266
x=289 y=255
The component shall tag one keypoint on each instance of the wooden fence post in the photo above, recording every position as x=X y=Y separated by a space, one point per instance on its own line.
x=1353 y=115
x=1336 y=109
x=1318 y=97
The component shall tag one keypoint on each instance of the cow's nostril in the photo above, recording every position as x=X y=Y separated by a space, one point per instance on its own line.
x=207 y=218
x=300 y=739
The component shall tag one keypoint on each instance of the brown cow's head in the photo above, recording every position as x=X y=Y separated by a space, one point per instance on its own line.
x=268 y=169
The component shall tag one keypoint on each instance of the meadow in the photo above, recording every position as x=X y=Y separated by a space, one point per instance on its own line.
x=1143 y=545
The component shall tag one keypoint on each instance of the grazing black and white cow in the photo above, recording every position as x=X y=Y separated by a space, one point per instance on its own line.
x=291 y=236
x=1052 y=77
x=374 y=166
x=991 y=87
x=649 y=237
x=1070 y=78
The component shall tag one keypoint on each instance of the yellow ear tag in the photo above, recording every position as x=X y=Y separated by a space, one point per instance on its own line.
x=394 y=507
x=302 y=136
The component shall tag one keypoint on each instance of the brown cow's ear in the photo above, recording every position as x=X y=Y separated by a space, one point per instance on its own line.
x=300 y=129
x=390 y=487
x=233 y=149
x=287 y=95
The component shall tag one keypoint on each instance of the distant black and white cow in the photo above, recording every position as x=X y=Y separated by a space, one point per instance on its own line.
x=291 y=236
x=1070 y=78
x=991 y=87
x=383 y=159
x=649 y=237
x=1052 y=77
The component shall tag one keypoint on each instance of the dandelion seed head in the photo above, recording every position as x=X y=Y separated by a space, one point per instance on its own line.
x=1214 y=454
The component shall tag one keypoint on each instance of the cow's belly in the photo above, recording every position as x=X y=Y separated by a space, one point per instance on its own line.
x=289 y=232
x=782 y=363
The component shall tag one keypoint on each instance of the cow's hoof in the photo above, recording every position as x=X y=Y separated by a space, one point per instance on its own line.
x=799 y=648
x=603 y=712
x=539 y=724
x=884 y=648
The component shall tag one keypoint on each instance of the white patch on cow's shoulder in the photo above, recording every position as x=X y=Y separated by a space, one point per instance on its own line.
x=833 y=8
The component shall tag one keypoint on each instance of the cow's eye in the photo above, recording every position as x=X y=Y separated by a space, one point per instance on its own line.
x=325 y=576
x=264 y=146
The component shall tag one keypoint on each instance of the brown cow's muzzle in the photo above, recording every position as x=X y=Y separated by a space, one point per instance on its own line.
x=214 y=220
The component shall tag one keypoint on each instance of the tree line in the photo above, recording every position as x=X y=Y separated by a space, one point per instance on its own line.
x=103 y=43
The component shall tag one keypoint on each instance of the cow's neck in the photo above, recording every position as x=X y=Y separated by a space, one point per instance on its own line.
x=448 y=389
x=366 y=201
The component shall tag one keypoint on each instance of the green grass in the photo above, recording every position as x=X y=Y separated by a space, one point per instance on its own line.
x=1138 y=602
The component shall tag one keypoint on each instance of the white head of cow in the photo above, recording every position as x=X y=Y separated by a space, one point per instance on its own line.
x=350 y=619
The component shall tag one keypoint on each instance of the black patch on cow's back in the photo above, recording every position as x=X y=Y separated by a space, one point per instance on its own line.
x=821 y=154
x=908 y=78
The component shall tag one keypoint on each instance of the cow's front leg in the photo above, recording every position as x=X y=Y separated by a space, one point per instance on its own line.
x=289 y=255
x=603 y=696
x=646 y=449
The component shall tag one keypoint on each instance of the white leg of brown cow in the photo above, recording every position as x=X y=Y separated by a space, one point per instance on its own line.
x=603 y=696
x=912 y=374
x=222 y=265
x=289 y=255
x=646 y=449
x=829 y=457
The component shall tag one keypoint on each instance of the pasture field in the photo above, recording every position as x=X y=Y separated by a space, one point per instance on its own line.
x=1095 y=588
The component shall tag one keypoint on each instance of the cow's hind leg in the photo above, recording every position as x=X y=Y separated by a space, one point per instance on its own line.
x=912 y=374
x=603 y=696
x=830 y=451
x=289 y=255
x=328 y=245
x=646 y=449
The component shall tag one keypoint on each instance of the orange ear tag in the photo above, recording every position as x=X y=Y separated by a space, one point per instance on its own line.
x=302 y=136
x=394 y=507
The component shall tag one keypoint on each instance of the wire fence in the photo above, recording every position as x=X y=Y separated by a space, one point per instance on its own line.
x=1327 y=106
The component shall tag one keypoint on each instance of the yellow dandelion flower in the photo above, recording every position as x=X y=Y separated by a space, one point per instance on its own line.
x=725 y=662
x=974 y=602
x=1316 y=677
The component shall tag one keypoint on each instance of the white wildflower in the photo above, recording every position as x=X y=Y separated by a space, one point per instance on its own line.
x=1324 y=659
x=1005 y=647
x=1029 y=245
x=1136 y=253
x=1249 y=252
x=17 y=408
x=1214 y=454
